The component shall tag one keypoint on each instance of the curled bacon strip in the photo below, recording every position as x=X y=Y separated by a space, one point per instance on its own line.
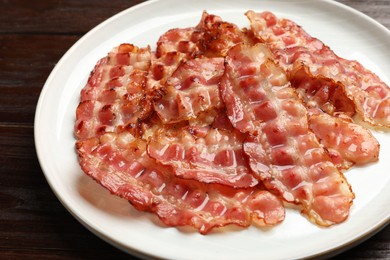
x=219 y=36
x=293 y=47
x=321 y=92
x=192 y=89
x=114 y=96
x=346 y=142
x=119 y=163
x=173 y=47
x=283 y=152
x=209 y=155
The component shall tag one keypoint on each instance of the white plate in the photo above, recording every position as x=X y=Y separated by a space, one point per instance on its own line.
x=351 y=35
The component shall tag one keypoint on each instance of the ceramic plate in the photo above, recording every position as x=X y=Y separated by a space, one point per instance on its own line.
x=349 y=33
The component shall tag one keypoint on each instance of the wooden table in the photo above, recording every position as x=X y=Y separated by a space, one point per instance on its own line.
x=33 y=37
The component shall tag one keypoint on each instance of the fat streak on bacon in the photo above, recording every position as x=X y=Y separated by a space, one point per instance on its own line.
x=282 y=150
x=293 y=48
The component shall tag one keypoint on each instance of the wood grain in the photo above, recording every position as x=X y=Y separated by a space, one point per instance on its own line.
x=33 y=37
x=57 y=17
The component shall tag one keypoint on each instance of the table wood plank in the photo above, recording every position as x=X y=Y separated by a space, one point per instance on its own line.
x=57 y=17
x=26 y=60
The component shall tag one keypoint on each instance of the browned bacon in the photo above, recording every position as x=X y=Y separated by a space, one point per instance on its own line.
x=206 y=154
x=283 y=152
x=192 y=89
x=346 y=142
x=320 y=92
x=114 y=96
x=219 y=36
x=173 y=47
x=294 y=48
x=119 y=163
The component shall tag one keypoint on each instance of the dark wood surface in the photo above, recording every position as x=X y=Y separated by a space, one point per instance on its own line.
x=33 y=37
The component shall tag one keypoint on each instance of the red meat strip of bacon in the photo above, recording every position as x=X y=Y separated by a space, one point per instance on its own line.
x=346 y=142
x=282 y=150
x=320 y=92
x=219 y=36
x=192 y=89
x=119 y=163
x=293 y=47
x=114 y=96
x=209 y=155
x=173 y=47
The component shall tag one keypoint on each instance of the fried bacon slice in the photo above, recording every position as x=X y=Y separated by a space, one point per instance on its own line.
x=114 y=96
x=119 y=162
x=206 y=154
x=293 y=48
x=282 y=150
x=192 y=89
x=321 y=92
x=219 y=36
x=173 y=47
x=346 y=142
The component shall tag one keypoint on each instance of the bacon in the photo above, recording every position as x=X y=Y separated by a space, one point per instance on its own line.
x=119 y=163
x=192 y=89
x=346 y=142
x=320 y=92
x=173 y=47
x=293 y=48
x=209 y=155
x=219 y=36
x=282 y=150
x=239 y=100
x=114 y=96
